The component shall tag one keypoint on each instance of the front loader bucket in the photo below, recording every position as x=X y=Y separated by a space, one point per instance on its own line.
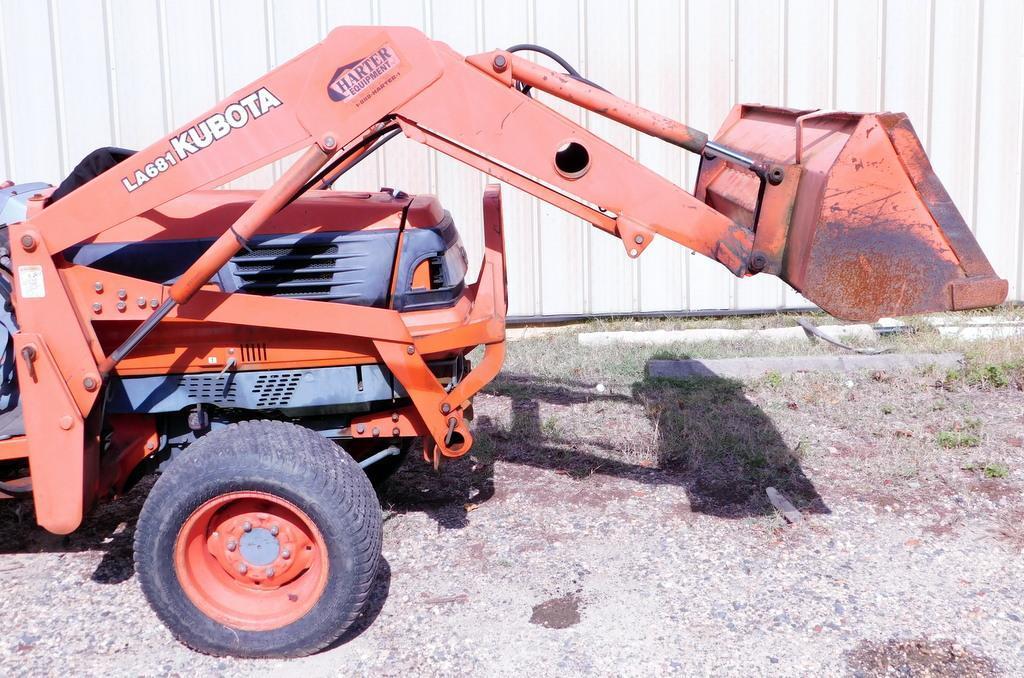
x=860 y=224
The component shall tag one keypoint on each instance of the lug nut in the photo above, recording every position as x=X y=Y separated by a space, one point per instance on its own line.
x=247 y=526
x=242 y=568
x=274 y=529
x=232 y=545
x=286 y=554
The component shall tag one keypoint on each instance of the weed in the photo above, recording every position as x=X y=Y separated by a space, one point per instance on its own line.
x=773 y=379
x=996 y=470
x=991 y=469
x=887 y=409
x=954 y=439
x=988 y=374
x=550 y=427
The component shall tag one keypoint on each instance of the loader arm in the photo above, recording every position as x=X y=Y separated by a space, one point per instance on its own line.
x=745 y=213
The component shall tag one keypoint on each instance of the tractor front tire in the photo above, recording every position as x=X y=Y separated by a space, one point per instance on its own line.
x=261 y=540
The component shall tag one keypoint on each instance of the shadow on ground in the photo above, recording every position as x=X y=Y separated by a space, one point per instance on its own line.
x=708 y=438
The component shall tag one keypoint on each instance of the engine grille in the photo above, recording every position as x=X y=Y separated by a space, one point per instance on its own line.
x=324 y=270
x=208 y=387
x=275 y=389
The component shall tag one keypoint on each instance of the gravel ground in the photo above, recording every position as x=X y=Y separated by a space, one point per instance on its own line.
x=626 y=531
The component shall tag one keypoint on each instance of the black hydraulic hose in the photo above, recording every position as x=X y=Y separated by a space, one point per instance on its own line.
x=388 y=133
x=557 y=58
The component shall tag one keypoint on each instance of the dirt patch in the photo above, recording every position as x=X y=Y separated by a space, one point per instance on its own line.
x=918 y=658
x=557 y=613
x=995 y=490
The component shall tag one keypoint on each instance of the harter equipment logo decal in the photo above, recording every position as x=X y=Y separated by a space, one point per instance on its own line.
x=357 y=77
x=197 y=137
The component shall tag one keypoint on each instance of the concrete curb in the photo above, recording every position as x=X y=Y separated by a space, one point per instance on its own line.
x=660 y=337
x=739 y=368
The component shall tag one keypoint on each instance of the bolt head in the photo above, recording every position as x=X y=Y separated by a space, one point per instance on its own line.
x=247 y=526
x=153 y=303
x=121 y=306
x=270 y=572
x=361 y=428
x=757 y=262
x=410 y=350
x=639 y=240
x=395 y=432
x=633 y=252
x=376 y=431
x=445 y=408
x=242 y=568
x=122 y=294
x=394 y=416
x=28 y=242
x=232 y=545
x=141 y=301
x=329 y=142
x=98 y=286
x=97 y=307
x=500 y=63
x=89 y=383
x=286 y=554
x=274 y=529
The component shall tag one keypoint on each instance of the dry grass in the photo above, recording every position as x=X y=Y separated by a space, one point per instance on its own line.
x=587 y=409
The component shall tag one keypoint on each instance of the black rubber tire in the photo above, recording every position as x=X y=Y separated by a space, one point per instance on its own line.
x=288 y=461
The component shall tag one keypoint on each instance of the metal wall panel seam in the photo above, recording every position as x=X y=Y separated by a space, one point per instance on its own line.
x=218 y=47
x=165 y=64
x=684 y=110
x=634 y=144
x=972 y=222
x=5 y=107
x=58 y=89
x=538 y=269
x=1020 y=177
x=115 y=115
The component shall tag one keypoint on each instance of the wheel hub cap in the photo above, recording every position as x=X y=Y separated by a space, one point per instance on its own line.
x=260 y=547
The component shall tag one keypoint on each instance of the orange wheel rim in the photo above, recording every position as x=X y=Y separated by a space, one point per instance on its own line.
x=251 y=561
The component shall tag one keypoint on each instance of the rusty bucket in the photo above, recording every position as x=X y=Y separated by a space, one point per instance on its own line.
x=849 y=212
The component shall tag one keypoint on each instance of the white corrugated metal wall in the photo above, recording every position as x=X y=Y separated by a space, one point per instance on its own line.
x=82 y=74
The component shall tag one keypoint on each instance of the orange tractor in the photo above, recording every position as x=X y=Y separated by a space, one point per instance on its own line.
x=272 y=351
